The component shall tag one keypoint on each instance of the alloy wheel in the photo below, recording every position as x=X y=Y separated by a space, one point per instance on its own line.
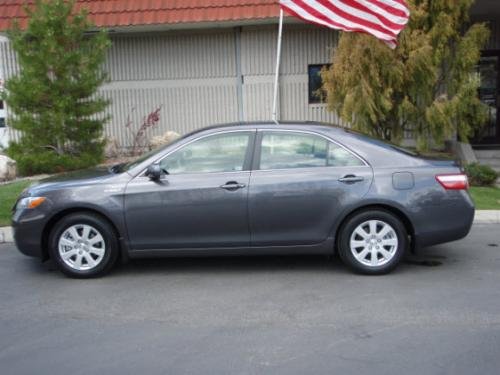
x=81 y=247
x=374 y=243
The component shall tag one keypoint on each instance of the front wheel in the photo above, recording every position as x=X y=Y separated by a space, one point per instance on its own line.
x=372 y=242
x=83 y=245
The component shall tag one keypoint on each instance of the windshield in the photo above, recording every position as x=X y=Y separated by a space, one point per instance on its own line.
x=124 y=167
x=131 y=164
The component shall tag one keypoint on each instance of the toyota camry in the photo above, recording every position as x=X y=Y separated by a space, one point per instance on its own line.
x=252 y=188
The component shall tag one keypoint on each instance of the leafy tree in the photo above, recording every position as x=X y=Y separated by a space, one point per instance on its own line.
x=54 y=97
x=426 y=85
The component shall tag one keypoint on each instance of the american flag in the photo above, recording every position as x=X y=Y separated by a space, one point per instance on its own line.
x=383 y=19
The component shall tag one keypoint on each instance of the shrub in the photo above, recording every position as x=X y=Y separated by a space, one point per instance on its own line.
x=139 y=135
x=481 y=175
x=49 y=161
x=54 y=100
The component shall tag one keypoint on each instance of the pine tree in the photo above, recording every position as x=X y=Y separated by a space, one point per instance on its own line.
x=427 y=85
x=53 y=100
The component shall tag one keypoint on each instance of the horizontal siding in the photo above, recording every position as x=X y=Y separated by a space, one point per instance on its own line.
x=172 y=56
x=183 y=109
x=8 y=60
x=294 y=104
x=301 y=46
x=257 y=101
x=8 y=68
x=192 y=76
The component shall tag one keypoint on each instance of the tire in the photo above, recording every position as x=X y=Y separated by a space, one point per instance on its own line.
x=372 y=242
x=83 y=245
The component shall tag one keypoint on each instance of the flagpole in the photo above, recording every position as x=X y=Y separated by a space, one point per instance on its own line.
x=276 y=75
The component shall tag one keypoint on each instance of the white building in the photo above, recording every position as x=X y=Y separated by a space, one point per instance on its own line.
x=212 y=61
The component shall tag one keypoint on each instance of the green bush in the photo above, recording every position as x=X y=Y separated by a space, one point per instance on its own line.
x=54 y=100
x=481 y=175
x=49 y=161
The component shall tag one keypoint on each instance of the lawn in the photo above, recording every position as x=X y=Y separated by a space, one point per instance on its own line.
x=8 y=196
x=486 y=198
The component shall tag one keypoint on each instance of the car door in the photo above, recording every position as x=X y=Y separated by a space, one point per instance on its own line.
x=201 y=202
x=300 y=182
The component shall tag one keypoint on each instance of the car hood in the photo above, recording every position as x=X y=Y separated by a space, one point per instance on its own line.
x=93 y=176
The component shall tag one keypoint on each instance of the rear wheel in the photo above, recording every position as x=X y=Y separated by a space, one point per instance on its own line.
x=83 y=245
x=372 y=242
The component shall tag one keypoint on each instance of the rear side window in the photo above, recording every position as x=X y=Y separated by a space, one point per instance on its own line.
x=285 y=150
x=340 y=157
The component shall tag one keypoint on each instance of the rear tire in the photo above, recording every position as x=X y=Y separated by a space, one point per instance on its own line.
x=83 y=245
x=372 y=242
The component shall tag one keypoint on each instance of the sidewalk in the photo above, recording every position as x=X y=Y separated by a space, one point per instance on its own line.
x=481 y=217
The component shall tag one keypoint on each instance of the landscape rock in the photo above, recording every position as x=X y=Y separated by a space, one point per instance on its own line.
x=111 y=149
x=162 y=140
x=7 y=169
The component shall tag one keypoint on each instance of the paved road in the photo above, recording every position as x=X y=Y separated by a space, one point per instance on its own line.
x=438 y=314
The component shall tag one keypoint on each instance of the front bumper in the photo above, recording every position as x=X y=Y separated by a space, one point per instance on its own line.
x=28 y=226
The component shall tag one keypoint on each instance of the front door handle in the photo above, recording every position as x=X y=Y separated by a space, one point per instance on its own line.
x=351 y=179
x=232 y=185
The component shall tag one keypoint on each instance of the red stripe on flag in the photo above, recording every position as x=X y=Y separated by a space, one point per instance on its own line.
x=390 y=9
x=313 y=12
x=383 y=19
x=355 y=19
x=380 y=17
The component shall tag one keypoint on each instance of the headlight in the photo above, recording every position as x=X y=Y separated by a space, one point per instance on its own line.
x=29 y=202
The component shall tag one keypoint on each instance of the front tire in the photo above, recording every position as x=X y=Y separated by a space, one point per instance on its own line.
x=372 y=242
x=83 y=245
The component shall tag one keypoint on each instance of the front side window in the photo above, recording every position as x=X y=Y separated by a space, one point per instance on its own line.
x=281 y=150
x=216 y=153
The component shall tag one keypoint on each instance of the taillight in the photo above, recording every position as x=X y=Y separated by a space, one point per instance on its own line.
x=457 y=181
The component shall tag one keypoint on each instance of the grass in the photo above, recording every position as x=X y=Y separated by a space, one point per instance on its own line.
x=486 y=198
x=8 y=196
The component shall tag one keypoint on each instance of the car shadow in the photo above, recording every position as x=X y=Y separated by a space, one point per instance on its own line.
x=435 y=256
x=430 y=257
x=233 y=264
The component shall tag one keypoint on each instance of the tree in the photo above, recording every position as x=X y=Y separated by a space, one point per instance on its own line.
x=54 y=98
x=427 y=85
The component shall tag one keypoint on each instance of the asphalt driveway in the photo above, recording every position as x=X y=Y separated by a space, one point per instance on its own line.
x=439 y=313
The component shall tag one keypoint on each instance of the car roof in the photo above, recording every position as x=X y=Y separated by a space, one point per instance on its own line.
x=288 y=125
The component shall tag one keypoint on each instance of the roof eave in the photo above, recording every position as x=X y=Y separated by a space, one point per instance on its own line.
x=125 y=29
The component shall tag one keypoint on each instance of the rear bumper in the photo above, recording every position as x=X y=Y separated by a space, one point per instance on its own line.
x=446 y=223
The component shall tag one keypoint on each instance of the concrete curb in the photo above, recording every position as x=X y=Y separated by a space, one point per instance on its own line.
x=6 y=234
x=487 y=217
x=481 y=217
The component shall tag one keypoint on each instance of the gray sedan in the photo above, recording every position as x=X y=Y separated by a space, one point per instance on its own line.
x=249 y=189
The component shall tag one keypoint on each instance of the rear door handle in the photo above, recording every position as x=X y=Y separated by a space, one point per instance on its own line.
x=350 y=179
x=232 y=185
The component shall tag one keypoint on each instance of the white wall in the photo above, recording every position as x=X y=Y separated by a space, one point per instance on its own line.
x=194 y=76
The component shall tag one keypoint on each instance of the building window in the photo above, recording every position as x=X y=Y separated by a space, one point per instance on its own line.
x=316 y=92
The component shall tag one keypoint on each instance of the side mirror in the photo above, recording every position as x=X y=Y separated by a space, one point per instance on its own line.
x=154 y=172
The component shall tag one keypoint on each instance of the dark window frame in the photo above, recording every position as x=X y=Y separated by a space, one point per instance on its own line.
x=315 y=83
